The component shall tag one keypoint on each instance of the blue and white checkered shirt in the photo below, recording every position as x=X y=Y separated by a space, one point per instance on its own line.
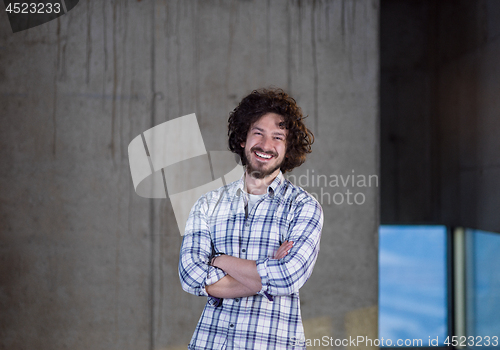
x=271 y=319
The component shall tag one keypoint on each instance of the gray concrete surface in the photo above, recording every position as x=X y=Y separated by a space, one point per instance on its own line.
x=88 y=264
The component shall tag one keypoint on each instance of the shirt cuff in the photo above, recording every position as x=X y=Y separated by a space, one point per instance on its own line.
x=264 y=279
x=215 y=302
x=214 y=274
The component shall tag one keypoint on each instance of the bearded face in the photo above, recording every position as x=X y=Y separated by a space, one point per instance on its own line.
x=265 y=146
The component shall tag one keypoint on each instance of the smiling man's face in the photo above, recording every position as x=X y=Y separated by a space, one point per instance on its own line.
x=265 y=146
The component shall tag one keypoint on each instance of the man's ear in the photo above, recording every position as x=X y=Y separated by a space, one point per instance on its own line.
x=242 y=145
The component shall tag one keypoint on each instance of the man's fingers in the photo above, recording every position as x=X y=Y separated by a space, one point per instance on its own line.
x=283 y=250
x=280 y=253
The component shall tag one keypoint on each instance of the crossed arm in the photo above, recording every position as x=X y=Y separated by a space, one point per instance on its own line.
x=231 y=277
x=242 y=279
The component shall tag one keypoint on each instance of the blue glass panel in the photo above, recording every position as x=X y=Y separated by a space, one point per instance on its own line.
x=483 y=286
x=412 y=285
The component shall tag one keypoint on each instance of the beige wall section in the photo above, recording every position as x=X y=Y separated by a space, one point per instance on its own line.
x=315 y=330
x=361 y=325
x=85 y=262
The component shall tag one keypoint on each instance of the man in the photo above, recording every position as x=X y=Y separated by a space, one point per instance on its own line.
x=249 y=246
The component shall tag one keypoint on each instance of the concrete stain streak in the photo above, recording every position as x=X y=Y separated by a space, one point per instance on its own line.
x=120 y=144
x=268 y=32
x=89 y=40
x=105 y=50
x=152 y=217
x=300 y=34
x=105 y=38
x=117 y=278
x=348 y=19
x=342 y=22
x=367 y=35
x=315 y=67
x=115 y=82
x=168 y=33
x=288 y=48
x=122 y=147
x=327 y=21
x=352 y=22
x=352 y=29
x=61 y=57
x=197 y=59
x=54 y=101
x=159 y=307
x=179 y=56
x=232 y=23
x=130 y=209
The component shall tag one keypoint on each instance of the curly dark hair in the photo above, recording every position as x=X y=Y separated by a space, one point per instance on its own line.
x=271 y=100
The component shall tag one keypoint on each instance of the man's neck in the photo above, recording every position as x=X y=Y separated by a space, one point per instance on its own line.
x=259 y=186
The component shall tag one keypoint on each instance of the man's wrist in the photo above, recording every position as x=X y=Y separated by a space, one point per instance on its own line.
x=214 y=258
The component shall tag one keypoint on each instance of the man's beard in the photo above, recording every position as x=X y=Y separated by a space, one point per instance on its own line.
x=259 y=173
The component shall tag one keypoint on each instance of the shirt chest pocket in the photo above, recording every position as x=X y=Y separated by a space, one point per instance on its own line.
x=263 y=241
x=277 y=235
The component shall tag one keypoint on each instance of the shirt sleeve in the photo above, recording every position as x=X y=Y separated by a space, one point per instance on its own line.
x=287 y=275
x=194 y=272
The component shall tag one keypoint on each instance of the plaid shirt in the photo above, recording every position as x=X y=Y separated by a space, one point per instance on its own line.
x=270 y=319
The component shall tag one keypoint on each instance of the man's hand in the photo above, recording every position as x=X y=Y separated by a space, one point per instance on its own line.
x=283 y=250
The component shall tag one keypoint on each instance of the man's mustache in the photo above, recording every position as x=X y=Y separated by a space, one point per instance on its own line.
x=260 y=150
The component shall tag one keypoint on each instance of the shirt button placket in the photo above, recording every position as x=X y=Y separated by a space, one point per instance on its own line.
x=231 y=330
x=246 y=230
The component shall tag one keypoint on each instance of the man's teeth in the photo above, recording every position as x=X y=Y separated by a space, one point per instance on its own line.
x=263 y=155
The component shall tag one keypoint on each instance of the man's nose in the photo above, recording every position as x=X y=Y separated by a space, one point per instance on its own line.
x=266 y=143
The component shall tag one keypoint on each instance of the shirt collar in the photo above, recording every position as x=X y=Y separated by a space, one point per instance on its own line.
x=271 y=189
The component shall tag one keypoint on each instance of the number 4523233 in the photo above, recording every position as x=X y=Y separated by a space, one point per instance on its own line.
x=471 y=341
x=23 y=7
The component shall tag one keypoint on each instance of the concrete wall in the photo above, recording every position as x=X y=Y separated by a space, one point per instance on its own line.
x=85 y=262
x=439 y=113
